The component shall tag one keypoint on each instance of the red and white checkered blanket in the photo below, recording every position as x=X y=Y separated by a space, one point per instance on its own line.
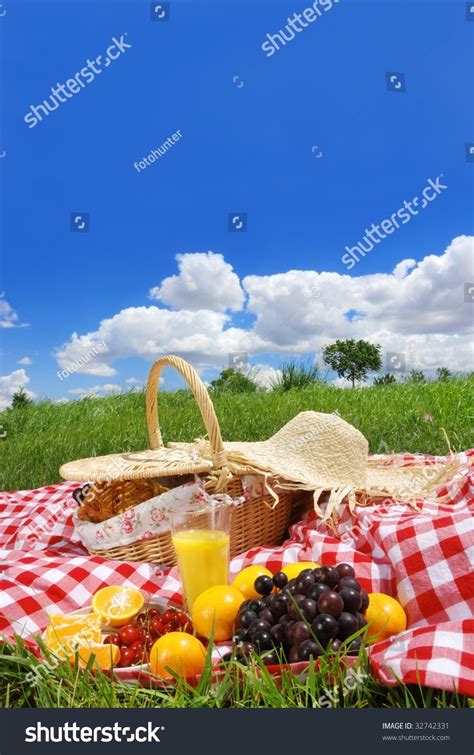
x=424 y=557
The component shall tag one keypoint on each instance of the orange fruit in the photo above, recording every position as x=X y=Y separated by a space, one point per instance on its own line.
x=216 y=609
x=62 y=620
x=118 y=605
x=79 y=630
x=106 y=656
x=244 y=581
x=181 y=652
x=293 y=570
x=385 y=617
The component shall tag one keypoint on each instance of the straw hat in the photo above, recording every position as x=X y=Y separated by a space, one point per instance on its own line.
x=322 y=452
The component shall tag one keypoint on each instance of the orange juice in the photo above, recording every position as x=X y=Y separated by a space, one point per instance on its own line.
x=203 y=560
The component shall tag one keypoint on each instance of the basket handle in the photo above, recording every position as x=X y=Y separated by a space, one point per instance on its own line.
x=203 y=401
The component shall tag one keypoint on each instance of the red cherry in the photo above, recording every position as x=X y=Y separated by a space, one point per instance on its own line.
x=112 y=639
x=126 y=657
x=142 y=617
x=129 y=634
x=169 y=628
x=152 y=612
x=182 y=618
x=156 y=627
x=149 y=643
x=138 y=650
x=169 y=615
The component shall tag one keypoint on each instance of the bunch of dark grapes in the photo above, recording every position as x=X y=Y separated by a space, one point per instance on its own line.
x=298 y=619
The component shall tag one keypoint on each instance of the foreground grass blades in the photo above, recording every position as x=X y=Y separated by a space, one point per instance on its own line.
x=394 y=418
x=64 y=686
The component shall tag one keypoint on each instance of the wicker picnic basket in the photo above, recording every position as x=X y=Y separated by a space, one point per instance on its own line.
x=122 y=481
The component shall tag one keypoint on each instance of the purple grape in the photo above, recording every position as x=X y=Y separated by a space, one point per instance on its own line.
x=348 y=624
x=307 y=649
x=325 y=627
x=361 y=620
x=315 y=591
x=334 y=645
x=278 y=634
x=263 y=584
x=227 y=657
x=345 y=570
x=280 y=579
x=280 y=605
x=246 y=649
x=309 y=609
x=365 y=601
x=317 y=574
x=293 y=655
x=294 y=608
x=286 y=619
x=350 y=582
x=304 y=582
x=266 y=615
x=300 y=633
x=330 y=576
x=259 y=625
x=246 y=618
x=268 y=600
x=352 y=599
x=290 y=587
x=263 y=640
x=241 y=635
x=289 y=632
x=256 y=605
x=355 y=646
x=271 y=658
x=245 y=606
x=330 y=602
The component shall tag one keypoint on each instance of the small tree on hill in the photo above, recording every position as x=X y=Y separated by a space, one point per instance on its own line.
x=353 y=359
x=20 y=398
x=442 y=374
x=233 y=381
x=386 y=379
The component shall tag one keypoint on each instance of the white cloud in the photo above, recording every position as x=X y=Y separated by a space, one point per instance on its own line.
x=25 y=361
x=8 y=316
x=133 y=381
x=204 y=281
x=417 y=310
x=11 y=383
x=264 y=375
x=106 y=388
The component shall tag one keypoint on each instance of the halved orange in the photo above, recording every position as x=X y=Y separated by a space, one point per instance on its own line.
x=118 y=605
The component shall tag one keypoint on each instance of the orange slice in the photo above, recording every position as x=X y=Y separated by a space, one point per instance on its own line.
x=62 y=620
x=118 y=605
x=106 y=656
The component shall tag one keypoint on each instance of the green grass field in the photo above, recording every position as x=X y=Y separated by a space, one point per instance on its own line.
x=39 y=438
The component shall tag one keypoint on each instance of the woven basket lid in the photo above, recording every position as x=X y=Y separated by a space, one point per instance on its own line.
x=162 y=462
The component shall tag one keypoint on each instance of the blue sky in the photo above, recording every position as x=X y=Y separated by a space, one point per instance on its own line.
x=249 y=144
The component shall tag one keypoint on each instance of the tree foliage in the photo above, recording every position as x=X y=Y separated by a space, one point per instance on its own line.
x=233 y=381
x=353 y=359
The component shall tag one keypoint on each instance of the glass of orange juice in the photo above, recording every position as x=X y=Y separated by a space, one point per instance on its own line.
x=201 y=539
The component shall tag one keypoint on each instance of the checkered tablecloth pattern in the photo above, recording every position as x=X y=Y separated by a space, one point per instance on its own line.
x=423 y=557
